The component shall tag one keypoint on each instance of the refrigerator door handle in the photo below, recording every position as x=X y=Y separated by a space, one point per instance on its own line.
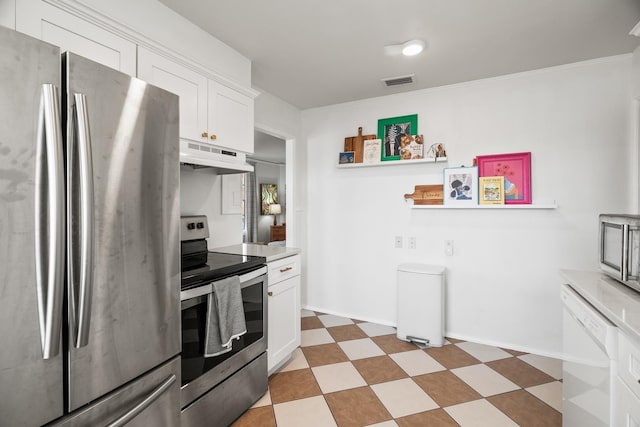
x=49 y=221
x=152 y=397
x=81 y=231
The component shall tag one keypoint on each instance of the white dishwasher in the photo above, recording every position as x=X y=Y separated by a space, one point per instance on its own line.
x=589 y=353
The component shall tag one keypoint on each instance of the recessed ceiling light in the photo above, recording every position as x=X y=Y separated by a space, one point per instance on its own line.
x=412 y=47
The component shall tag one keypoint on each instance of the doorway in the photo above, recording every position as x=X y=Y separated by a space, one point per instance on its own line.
x=260 y=225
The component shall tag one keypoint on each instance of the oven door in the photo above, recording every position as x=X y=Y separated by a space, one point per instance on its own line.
x=200 y=374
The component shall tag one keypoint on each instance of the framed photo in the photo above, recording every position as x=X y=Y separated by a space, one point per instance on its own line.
x=491 y=190
x=346 y=157
x=392 y=130
x=269 y=194
x=516 y=169
x=461 y=186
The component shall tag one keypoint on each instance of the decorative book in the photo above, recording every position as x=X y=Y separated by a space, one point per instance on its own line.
x=411 y=147
x=372 y=150
x=491 y=190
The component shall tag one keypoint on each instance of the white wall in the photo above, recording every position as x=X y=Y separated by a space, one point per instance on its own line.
x=635 y=119
x=503 y=279
x=635 y=91
x=273 y=113
x=201 y=194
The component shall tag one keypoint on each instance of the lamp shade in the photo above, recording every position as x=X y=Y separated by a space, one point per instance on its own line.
x=275 y=209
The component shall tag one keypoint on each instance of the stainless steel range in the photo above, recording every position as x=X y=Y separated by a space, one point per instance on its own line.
x=218 y=389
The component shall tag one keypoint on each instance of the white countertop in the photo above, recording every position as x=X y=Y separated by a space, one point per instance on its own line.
x=271 y=253
x=620 y=304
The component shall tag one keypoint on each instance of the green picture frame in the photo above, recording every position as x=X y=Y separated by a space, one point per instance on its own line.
x=391 y=130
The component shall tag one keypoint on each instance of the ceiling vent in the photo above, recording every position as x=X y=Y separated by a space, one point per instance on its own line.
x=401 y=80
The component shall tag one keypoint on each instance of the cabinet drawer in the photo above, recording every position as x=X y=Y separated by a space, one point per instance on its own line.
x=283 y=269
x=629 y=363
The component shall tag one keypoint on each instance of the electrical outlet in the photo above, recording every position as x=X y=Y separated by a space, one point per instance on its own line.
x=448 y=247
x=412 y=242
x=398 y=242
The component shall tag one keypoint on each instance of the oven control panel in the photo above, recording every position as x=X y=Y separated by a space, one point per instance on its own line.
x=194 y=227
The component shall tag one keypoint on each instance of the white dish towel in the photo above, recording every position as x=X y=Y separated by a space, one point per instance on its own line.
x=225 y=317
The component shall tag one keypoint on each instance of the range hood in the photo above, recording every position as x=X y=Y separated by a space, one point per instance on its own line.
x=202 y=155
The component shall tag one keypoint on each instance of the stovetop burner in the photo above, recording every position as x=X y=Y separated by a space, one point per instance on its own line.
x=218 y=266
x=200 y=266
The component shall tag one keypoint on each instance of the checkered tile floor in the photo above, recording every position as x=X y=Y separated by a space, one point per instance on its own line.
x=352 y=373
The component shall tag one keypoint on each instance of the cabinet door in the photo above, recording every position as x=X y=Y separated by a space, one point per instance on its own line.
x=626 y=405
x=70 y=33
x=190 y=86
x=8 y=14
x=284 y=320
x=230 y=118
x=629 y=362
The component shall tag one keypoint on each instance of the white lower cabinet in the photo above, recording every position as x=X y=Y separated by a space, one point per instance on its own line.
x=626 y=405
x=626 y=387
x=283 y=311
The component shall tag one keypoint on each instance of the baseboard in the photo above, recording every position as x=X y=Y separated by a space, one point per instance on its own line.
x=349 y=315
x=524 y=349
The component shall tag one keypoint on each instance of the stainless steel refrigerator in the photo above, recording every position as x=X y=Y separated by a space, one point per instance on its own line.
x=89 y=245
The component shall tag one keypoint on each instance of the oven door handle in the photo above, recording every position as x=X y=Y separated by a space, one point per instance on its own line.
x=196 y=292
x=253 y=274
x=207 y=289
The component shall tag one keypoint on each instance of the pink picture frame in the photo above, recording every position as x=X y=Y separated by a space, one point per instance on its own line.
x=516 y=169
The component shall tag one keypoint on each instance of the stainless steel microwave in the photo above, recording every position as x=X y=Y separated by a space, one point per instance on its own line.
x=620 y=248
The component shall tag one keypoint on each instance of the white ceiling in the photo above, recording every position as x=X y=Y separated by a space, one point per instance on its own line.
x=312 y=53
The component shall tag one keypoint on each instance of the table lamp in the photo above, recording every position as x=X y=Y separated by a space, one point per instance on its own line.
x=275 y=209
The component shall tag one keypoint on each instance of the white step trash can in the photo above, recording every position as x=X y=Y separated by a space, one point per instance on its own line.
x=421 y=304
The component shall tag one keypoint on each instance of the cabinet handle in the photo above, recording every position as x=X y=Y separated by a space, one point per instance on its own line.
x=282 y=270
x=270 y=293
x=214 y=136
x=205 y=134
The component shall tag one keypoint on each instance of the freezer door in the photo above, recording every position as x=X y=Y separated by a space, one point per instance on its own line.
x=31 y=387
x=152 y=400
x=124 y=213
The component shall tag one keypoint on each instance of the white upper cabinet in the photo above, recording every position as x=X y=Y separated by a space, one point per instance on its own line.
x=213 y=107
x=230 y=118
x=190 y=86
x=70 y=33
x=209 y=111
x=8 y=14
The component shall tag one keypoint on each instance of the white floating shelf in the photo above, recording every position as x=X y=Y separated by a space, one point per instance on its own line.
x=546 y=206
x=391 y=163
